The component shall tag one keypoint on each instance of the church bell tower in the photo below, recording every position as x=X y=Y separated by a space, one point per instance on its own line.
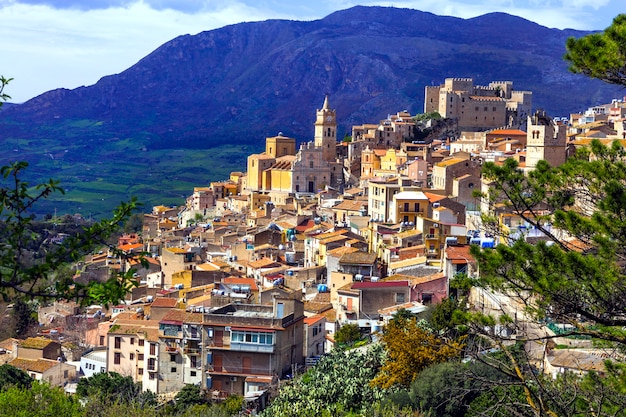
x=326 y=132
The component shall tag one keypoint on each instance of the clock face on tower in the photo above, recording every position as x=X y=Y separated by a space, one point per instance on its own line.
x=329 y=118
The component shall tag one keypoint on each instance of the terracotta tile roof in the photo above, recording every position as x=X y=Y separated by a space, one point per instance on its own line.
x=322 y=297
x=182 y=316
x=176 y=250
x=379 y=284
x=358 y=258
x=341 y=250
x=427 y=278
x=507 y=132
x=313 y=319
x=461 y=252
x=40 y=365
x=263 y=263
x=433 y=198
x=350 y=205
x=450 y=161
x=130 y=247
x=164 y=302
x=7 y=344
x=240 y=280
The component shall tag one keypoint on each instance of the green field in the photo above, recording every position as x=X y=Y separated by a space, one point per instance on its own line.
x=100 y=173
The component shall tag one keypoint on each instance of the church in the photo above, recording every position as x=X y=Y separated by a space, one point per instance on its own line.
x=283 y=170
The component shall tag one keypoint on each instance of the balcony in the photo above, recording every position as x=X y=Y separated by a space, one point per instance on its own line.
x=251 y=347
x=192 y=350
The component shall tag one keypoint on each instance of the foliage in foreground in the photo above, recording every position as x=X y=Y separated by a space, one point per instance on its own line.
x=337 y=386
x=410 y=349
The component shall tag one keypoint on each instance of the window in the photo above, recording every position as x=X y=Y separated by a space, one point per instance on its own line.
x=259 y=338
x=310 y=164
x=132 y=340
x=399 y=298
x=151 y=364
x=194 y=361
x=152 y=376
x=152 y=349
x=140 y=371
x=101 y=340
x=172 y=357
x=118 y=342
x=192 y=373
x=131 y=356
x=173 y=370
x=65 y=374
x=117 y=358
x=140 y=357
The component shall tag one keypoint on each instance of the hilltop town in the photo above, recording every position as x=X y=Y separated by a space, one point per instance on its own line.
x=249 y=281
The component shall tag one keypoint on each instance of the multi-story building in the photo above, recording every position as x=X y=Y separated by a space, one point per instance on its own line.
x=453 y=167
x=176 y=259
x=314 y=336
x=478 y=107
x=247 y=347
x=180 y=350
x=406 y=206
x=282 y=170
x=133 y=350
x=546 y=140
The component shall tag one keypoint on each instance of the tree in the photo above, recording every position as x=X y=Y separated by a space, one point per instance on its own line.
x=41 y=400
x=12 y=376
x=600 y=55
x=3 y=83
x=348 y=334
x=134 y=224
x=187 y=397
x=410 y=349
x=337 y=386
x=108 y=387
x=576 y=275
x=22 y=276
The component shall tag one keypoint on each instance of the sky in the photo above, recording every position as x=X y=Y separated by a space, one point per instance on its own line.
x=49 y=44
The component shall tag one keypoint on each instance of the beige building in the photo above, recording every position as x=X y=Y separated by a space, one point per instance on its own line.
x=455 y=166
x=282 y=171
x=546 y=140
x=478 y=107
x=406 y=206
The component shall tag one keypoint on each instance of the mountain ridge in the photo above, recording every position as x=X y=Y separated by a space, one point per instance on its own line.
x=241 y=83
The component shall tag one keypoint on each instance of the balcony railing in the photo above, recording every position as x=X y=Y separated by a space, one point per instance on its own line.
x=251 y=347
x=192 y=351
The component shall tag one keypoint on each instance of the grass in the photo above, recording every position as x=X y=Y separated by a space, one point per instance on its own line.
x=97 y=176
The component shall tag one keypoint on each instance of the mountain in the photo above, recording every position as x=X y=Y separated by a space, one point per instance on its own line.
x=240 y=83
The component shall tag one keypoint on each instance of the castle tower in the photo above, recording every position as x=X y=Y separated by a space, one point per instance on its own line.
x=545 y=139
x=326 y=132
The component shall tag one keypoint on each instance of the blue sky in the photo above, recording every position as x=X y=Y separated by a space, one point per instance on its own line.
x=48 y=44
